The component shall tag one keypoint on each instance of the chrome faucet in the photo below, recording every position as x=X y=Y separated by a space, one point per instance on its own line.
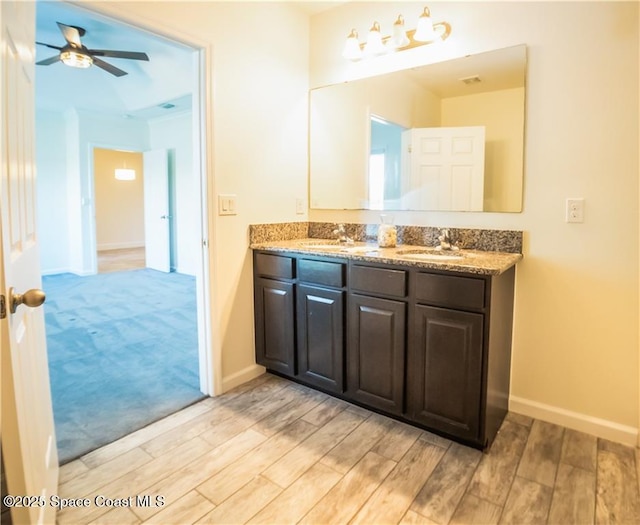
x=341 y=233
x=445 y=240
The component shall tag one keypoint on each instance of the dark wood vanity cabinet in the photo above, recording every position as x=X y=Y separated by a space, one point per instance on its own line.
x=320 y=321
x=274 y=312
x=445 y=356
x=446 y=352
x=377 y=337
x=429 y=347
x=299 y=318
x=376 y=356
x=459 y=355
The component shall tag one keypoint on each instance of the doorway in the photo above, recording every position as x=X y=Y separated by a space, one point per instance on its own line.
x=118 y=181
x=75 y=135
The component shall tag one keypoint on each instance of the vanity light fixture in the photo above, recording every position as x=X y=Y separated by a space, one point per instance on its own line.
x=125 y=174
x=426 y=32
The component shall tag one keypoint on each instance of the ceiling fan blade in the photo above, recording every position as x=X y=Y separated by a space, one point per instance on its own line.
x=108 y=67
x=48 y=45
x=132 y=55
x=71 y=34
x=48 y=61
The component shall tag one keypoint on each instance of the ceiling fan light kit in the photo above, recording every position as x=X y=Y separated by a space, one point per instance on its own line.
x=76 y=54
x=77 y=59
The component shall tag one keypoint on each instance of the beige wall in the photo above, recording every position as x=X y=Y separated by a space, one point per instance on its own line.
x=119 y=204
x=575 y=353
x=501 y=114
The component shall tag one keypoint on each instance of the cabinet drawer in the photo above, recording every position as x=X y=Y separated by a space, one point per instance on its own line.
x=321 y=272
x=450 y=290
x=274 y=266
x=378 y=281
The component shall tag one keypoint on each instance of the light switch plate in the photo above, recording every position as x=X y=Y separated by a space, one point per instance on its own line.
x=300 y=206
x=227 y=204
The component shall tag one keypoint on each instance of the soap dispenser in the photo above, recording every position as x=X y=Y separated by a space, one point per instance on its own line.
x=387 y=233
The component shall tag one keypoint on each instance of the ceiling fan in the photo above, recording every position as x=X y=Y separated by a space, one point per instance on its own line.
x=75 y=54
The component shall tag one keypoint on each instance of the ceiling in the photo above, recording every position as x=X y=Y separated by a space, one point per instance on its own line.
x=494 y=70
x=166 y=79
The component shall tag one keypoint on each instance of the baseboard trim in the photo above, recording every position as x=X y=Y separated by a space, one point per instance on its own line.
x=244 y=375
x=576 y=421
x=119 y=245
x=55 y=271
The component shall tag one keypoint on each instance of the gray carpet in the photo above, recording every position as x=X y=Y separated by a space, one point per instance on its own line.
x=123 y=352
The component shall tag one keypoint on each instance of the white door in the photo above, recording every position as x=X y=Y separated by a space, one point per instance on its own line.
x=156 y=210
x=447 y=168
x=28 y=437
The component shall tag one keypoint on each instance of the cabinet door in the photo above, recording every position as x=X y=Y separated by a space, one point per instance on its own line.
x=444 y=370
x=320 y=337
x=275 y=336
x=376 y=350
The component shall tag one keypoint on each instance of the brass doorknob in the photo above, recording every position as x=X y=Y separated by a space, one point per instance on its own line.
x=32 y=298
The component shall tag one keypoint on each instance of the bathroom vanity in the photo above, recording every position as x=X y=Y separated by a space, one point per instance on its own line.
x=424 y=339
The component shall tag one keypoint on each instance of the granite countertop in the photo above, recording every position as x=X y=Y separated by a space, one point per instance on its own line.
x=468 y=261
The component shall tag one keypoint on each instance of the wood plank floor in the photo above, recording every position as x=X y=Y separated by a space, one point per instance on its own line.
x=121 y=259
x=272 y=451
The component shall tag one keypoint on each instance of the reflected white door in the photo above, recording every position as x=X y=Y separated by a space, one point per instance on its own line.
x=28 y=437
x=157 y=220
x=447 y=168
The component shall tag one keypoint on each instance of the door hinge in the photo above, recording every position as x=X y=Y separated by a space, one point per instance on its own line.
x=3 y=307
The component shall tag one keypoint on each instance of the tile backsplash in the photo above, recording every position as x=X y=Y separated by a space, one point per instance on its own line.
x=465 y=238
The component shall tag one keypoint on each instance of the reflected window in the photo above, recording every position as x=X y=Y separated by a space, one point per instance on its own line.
x=386 y=147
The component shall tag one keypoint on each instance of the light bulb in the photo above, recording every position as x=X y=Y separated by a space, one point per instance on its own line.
x=399 y=38
x=352 y=49
x=374 y=45
x=424 y=30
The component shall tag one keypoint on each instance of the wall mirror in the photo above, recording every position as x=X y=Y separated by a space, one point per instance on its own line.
x=445 y=136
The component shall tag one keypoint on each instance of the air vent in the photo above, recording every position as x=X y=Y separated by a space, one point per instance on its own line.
x=167 y=105
x=474 y=79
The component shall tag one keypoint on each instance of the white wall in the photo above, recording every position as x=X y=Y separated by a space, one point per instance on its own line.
x=65 y=144
x=575 y=353
x=175 y=134
x=51 y=162
x=99 y=131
